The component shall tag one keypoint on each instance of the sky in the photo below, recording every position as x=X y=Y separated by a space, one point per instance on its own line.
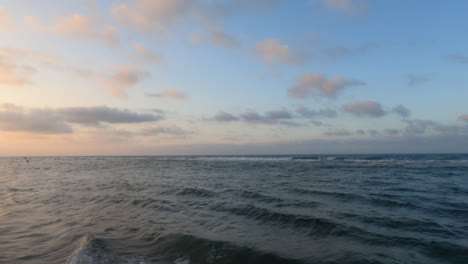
x=235 y=77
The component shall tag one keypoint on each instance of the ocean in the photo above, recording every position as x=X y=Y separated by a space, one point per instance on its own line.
x=235 y=209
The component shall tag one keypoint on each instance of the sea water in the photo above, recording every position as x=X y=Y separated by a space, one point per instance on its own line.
x=235 y=209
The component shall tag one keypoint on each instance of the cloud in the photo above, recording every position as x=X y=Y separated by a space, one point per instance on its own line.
x=216 y=36
x=373 y=132
x=352 y=7
x=360 y=132
x=221 y=38
x=390 y=131
x=21 y=54
x=59 y=120
x=123 y=77
x=365 y=108
x=463 y=117
x=148 y=54
x=14 y=75
x=44 y=121
x=319 y=85
x=416 y=79
x=271 y=51
x=95 y=115
x=174 y=130
x=401 y=110
x=280 y=116
x=270 y=117
x=150 y=15
x=78 y=26
x=339 y=133
x=342 y=52
x=17 y=66
x=6 y=22
x=415 y=127
x=172 y=94
x=225 y=117
x=457 y=58
x=308 y=113
x=34 y=23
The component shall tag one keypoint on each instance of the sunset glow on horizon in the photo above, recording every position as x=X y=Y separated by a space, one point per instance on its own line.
x=186 y=77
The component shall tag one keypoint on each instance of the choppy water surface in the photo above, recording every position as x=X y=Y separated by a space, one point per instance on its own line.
x=254 y=209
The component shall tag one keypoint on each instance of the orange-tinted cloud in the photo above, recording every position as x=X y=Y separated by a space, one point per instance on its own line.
x=318 y=84
x=123 y=77
x=6 y=22
x=463 y=117
x=272 y=51
x=148 y=54
x=78 y=26
x=13 y=75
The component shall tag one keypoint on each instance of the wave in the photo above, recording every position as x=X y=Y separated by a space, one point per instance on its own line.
x=315 y=225
x=197 y=250
x=243 y=158
x=202 y=193
x=94 y=251
x=176 y=248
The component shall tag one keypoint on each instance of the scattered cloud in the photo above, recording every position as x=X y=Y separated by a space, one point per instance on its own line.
x=216 y=36
x=392 y=132
x=457 y=58
x=346 y=133
x=17 y=66
x=339 y=133
x=270 y=117
x=43 y=121
x=78 y=26
x=280 y=116
x=225 y=117
x=172 y=94
x=463 y=117
x=418 y=126
x=360 y=132
x=6 y=22
x=416 y=79
x=342 y=52
x=311 y=84
x=365 y=108
x=59 y=120
x=172 y=130
x=401 y=110
x=15 y=75
x=373 y=132
x=272 y=51
x=34 y=23
x=96 y=115
x=147 y=54
x=351 y=7
x=21 y=54
x=309 y=113
x=123 y=77
x=151 y=15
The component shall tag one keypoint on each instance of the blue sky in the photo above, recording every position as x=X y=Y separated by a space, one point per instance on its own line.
x=156 y=77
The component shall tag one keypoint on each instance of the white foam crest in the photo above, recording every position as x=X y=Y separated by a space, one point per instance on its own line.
x=183 y=260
